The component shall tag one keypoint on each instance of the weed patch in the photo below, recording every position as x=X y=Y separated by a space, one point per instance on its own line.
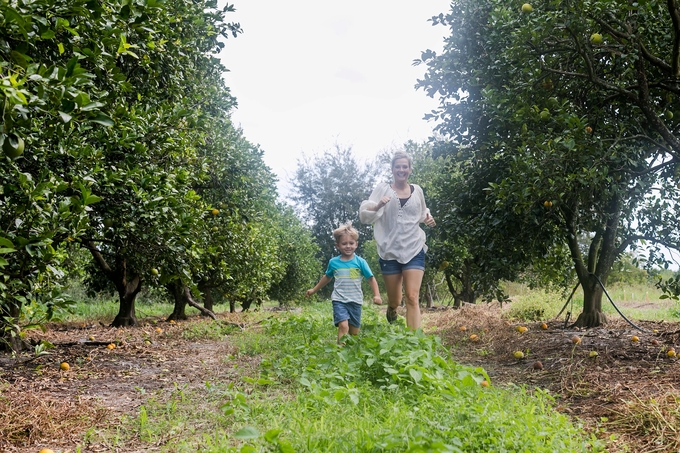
x=387 y=390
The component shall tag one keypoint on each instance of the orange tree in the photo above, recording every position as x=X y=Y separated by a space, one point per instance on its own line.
x=565 y=121
x=116 y=103
x=46 y=97
x=165 y=93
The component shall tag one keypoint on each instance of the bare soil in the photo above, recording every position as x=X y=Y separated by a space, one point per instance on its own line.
x=43 y=406
x=627 y=394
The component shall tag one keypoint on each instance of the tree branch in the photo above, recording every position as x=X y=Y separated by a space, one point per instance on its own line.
x=99 y=258
x=645 y=237
x=675 y=18
x=193 y=303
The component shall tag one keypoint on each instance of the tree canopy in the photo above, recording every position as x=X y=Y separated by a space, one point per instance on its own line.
x=563 y=123
x=116 y=137
x=328 y=189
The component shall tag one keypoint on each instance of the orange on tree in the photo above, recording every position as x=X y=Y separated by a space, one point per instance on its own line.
x=13 y=146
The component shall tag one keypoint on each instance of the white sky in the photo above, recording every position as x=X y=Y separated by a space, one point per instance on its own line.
x=310 y=73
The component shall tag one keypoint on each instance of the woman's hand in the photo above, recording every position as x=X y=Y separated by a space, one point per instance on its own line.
x=429 y=220
x=383 y=201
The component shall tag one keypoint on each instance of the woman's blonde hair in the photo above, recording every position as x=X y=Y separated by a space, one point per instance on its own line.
x=345 y=228
x=402 y=155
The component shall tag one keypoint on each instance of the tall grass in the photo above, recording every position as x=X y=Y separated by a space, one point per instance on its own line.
x=636 y=301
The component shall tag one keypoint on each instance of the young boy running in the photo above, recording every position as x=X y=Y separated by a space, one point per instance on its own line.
x=348 y=270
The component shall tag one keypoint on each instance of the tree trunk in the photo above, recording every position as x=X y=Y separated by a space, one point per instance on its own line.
x=127 y=282
x=10 y=336
x=207 y=298
x=176 y=289
x=592 y=315
x=427 y=295
x=456 y=297
x=127 y=293
x=232 y=306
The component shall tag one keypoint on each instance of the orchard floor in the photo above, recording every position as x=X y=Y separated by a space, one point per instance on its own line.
x=625 y=392
x=626 y=395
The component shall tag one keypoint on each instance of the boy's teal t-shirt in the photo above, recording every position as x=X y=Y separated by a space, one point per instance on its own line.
x=348 y=276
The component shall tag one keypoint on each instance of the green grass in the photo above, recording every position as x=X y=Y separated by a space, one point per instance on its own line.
x=388 y=390
x=535 y=305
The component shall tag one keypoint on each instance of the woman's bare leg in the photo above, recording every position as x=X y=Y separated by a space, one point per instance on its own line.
x=413 y=278
x=393 y=286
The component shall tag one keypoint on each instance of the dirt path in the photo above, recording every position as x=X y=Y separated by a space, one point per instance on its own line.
x=43 y=406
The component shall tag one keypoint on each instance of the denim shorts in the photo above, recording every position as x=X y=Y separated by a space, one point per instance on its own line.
x=391 y=267
x=343 y=311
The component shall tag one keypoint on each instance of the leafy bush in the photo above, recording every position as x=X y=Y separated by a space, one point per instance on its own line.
x=535 y=306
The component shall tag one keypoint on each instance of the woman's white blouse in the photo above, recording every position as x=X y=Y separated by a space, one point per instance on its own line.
x=396 y=229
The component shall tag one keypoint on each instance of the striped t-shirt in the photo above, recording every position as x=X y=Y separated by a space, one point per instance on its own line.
x=348 y=276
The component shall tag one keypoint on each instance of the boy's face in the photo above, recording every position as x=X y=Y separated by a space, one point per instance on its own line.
x=346 y=245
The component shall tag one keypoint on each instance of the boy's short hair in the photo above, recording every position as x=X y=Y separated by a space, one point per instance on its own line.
x=345 y=228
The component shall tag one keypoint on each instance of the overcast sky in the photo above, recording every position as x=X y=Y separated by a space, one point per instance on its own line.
x=309 y=73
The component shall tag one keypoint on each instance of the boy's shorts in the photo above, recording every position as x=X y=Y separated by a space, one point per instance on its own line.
x=391 y=267
x=347 y=311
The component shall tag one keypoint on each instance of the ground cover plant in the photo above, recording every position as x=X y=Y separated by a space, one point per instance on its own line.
x=267 y=381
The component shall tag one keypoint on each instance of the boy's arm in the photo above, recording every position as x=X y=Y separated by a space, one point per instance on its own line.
x=376 y=291
x=323 y=282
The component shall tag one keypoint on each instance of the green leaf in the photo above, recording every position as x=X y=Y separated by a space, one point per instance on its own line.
x=271 y=435
x=247 y=432
x=91 y=199
x=91 y=106
x=103 y=120
x=65 y=117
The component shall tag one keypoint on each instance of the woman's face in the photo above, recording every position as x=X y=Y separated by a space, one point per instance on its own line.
x=401 y=170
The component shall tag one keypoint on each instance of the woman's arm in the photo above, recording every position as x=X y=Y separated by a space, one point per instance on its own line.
x=372 y=209
x=425 y=216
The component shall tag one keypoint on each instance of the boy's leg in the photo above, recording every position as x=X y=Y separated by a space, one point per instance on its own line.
x=354 y=312
x=341 y=318
x=343 y=328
